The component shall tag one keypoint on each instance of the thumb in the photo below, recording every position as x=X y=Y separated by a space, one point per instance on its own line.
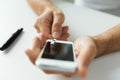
x=84 y=58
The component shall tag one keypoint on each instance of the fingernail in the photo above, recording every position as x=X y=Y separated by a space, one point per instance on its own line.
x=56 y=34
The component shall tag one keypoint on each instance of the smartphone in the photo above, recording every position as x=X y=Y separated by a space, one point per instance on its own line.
x=57 y=55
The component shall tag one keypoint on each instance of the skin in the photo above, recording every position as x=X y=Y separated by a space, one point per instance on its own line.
x=50 y=18
x=108 y=41
x=86 y=48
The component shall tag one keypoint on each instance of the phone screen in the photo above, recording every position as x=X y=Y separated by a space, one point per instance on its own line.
x=58 y=51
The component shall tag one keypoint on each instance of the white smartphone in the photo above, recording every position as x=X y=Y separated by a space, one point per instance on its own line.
x=57 y=55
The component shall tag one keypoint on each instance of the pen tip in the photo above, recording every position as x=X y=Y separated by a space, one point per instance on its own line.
x=1 y=49
x=21 y=28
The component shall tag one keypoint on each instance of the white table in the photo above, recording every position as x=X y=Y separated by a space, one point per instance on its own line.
x=14 y=64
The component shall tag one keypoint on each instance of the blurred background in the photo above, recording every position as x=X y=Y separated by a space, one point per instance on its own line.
x=115 y=12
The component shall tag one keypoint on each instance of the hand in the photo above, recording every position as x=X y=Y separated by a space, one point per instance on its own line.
x=38 y=44
x=50 y=21
x=86 y=51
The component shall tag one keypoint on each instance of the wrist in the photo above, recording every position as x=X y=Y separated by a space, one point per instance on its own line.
x=39 y=6
x=48 y=5
x=98 y=41
x=103 y=44
x=108 y=41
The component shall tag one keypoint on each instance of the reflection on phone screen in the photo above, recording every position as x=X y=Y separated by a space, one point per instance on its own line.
x=58 y=51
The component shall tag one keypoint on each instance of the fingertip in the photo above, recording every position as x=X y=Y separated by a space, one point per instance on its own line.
x=27 y=51
x=81 y=71
x=56 y=34
x=29 y=54
x=65 y=28
x=82 y=67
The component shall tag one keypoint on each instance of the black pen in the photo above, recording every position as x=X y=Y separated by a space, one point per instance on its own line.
x=11 y=39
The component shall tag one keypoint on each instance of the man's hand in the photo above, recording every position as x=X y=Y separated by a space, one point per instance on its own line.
x=85 y=50
x=50 y=18
x=50 y=22
x=39 y=41
x=38 y=44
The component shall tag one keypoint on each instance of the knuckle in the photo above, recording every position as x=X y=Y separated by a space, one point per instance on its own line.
x=57 y=24
x=65 y=30
x=60 y=14
x=68 y=35
x=45 y=21
x=35 y=26
x=41 y=20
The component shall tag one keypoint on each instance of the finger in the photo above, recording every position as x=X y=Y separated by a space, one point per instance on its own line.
x=64 y=36
x=30 y=55
x=42 y=38
x=83 y=60
x=36 y=48
x=65 y=33
x=81 y=67
x=34 y=52
x=57 y=23
x=65 y=29
x=77 y=48
x=37 y=44
x=44 y=23
x=36 y=26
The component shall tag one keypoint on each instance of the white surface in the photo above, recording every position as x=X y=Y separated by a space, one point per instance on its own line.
x=14 y=65
x=99 y=4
